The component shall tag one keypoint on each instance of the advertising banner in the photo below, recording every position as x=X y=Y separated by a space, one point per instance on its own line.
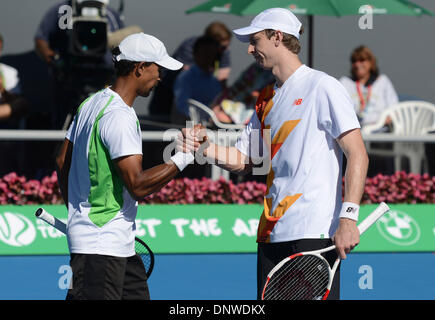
x=211 y=229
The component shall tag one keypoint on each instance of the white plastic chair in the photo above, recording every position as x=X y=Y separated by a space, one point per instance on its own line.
x=200 y=113
x=408 y=118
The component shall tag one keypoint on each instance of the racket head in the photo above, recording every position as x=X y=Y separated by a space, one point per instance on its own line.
x=146 y=255
x=299 y=277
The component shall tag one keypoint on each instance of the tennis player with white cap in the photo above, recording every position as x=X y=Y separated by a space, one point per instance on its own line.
x=101 y=177
x=303 y=123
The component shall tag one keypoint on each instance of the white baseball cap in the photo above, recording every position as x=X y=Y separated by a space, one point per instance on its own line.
x=143 y=47
x=276 y=19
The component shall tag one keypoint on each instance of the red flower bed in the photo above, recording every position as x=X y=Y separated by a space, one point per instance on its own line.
x=398 y=188
x=18 y=190
x=188 y=191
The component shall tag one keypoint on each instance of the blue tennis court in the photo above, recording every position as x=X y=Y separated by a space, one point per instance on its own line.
x=372 y=276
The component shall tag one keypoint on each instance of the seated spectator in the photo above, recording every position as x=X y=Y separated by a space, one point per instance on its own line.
x=12 y=105
x=238 y=100
x=197 y=82
x=370 y=91
x=220 y=33
x=162 y=100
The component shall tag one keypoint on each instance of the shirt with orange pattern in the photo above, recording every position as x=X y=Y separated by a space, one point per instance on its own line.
x=298 y=124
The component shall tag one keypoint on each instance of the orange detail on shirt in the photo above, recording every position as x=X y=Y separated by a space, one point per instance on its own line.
x=264 y=104
x=282 y=134
x=267 y=220
x=269 y=180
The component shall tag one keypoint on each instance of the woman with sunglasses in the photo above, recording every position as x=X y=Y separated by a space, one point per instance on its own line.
x=371 y=91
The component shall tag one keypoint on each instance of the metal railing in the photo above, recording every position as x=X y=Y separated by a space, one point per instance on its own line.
x=153 y=136
x=224 y=137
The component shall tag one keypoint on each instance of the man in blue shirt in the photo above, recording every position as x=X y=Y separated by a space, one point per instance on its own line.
x=198 y=82
x=218 y=31
x=163 y=98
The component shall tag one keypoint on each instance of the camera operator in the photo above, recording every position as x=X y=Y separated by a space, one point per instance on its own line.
x=77 y=54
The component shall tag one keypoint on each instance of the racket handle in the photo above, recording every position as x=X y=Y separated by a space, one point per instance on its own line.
x=373 y=217
x=51 y=220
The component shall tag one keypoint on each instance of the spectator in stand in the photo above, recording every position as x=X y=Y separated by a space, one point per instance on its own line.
x=13 y=110
x=162 y=100
x=238 y=100
x=371 y=91
x=12 y=105
x=219 y=32
x=198 y=81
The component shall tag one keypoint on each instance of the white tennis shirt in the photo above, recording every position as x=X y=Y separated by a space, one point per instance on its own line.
x=101 y=212
x=305 y=116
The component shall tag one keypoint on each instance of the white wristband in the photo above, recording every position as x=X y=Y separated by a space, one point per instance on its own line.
x=349 y=210
x=182 y=160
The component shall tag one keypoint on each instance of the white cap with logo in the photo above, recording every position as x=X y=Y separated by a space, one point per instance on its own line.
x=143 y=47
x=276 y=19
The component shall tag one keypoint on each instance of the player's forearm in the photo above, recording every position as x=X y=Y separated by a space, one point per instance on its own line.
x=228 y=158
x=152 y=180
x=355 y=177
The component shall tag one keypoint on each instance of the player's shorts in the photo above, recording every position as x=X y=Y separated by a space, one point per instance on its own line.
x=101 y=277
x=269 y=254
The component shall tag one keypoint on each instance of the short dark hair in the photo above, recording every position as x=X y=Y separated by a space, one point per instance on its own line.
x=122 y=67
x=204 y=41
x=290 y=42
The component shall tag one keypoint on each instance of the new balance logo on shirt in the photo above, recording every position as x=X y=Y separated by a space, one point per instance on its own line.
x=297 y=102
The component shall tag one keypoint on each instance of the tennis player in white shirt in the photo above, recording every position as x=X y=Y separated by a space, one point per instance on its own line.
x=101 y=176
x=305 y=121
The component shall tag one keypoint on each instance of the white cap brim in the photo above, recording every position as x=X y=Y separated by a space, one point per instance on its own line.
x=274 y=18
x=169 y=63
x=243 y=33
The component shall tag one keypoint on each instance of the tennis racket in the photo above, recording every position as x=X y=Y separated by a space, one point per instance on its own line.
x=308 y=275
x=140 y=246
